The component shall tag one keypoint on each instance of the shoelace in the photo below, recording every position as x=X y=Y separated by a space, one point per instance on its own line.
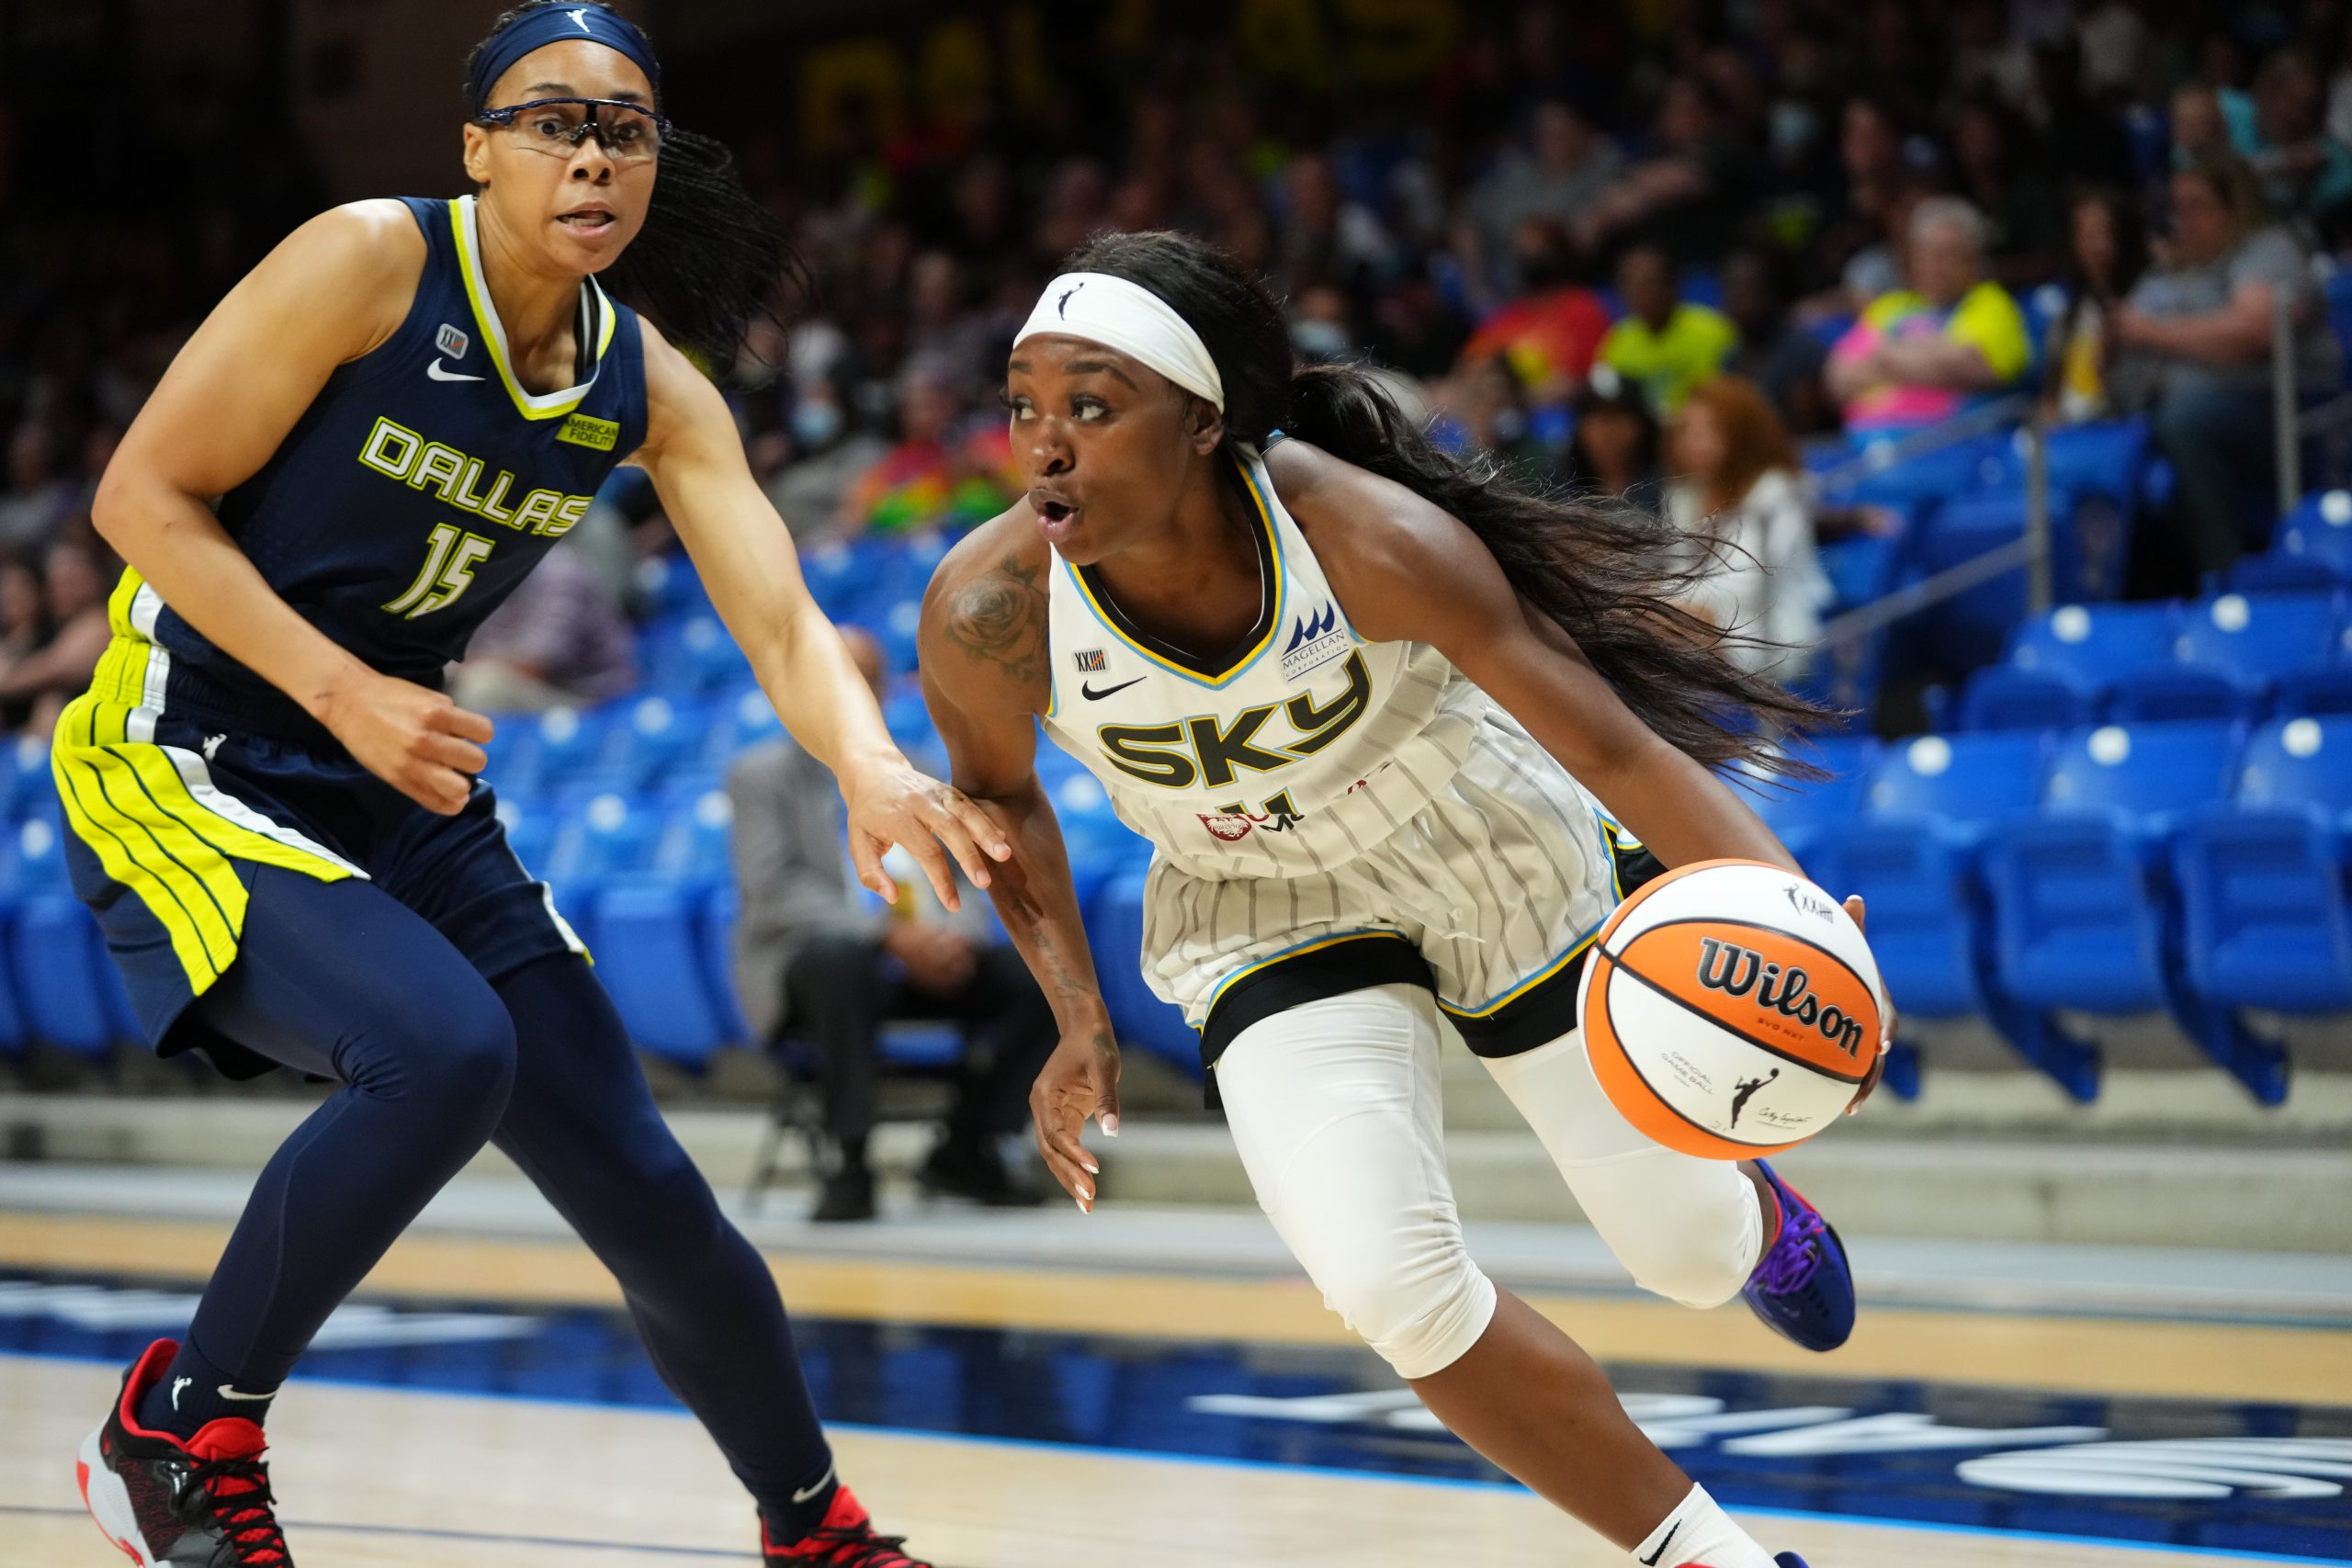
x=1795 y=1256
x=859 y=1547
x=237 y=1502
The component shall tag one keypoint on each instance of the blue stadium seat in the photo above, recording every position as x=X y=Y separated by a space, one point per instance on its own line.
x=2082 y=900
x=2320 y=529
x=2300 y=762
x=537 y=753
x=650 y=737
x=1861 y=567
x=2149 y=773
x=668 y=585
x=2278 y=572
x=2159 y=693
x=2008 y=696
x=1971 y=628
x=650 y=958
x=697 y=822
x=603 y=834
x=691 y=652
x=2092 y=643
x=26 y=785
x=1798 y=811
x=2253 y=639
x=2266 y=917
x=1966 y=783
x=2265 y=885
x=740 y=718
x=715 y=951
x=70 y=991
x=2313 y=690
x=1114 y=932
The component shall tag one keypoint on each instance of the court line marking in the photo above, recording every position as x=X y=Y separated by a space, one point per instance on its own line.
x=1211 y=1461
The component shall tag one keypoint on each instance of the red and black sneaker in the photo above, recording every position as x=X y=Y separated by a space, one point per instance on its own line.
x=203 y=1502
x=846 y=1540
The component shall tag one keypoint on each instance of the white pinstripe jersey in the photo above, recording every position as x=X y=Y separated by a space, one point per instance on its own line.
x=1293 y=754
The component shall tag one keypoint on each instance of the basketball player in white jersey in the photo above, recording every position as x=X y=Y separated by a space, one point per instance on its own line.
x=1380 y=714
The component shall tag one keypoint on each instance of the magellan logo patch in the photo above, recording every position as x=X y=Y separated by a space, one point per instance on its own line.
x=581 y=430
x=1316 y=640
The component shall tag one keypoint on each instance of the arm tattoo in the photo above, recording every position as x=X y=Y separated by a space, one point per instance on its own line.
x=999 y=618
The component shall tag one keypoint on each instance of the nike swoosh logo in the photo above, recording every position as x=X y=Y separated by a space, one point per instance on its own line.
x=440 y=372
x=229 y=1392
x=814 y=1492
x=1653 y=1557
x=1093 y=695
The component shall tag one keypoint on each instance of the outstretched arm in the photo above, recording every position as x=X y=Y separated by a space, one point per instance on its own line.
x=984 y=675
x=744 y=554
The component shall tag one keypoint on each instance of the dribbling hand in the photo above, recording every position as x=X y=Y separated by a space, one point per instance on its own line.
x=413 y=739
x=1885 y=1037
x=1079 y=1079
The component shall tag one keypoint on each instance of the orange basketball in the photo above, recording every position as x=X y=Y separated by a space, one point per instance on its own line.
x=1731 y=1008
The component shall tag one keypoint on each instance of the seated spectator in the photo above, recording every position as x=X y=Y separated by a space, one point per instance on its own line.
x=2306 y=173
x=824 y=457
x=818 y=956
x=1922 y=355
x=76 y=571
x=559 y=640
x=1327 y=237
x=1686 y=196
x=1552 y=333
x=24 y=626
x=1481 y=408
x=1665 y=345
x=1738 y=496
x=946 y=471
x=2199 y=331
x=1996 y=170
x=2107 y=251
x=1616 y=445
x=1570 y=164
x=1773 y=351
x=39 y=495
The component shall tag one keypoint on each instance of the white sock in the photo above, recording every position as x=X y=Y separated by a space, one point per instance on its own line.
x=1699 y=1534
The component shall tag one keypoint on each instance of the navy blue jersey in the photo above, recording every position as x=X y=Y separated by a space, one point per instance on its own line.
x=414 y=493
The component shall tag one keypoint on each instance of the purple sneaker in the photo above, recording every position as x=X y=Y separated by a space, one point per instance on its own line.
x=1803 y=1288
x=1789 y=1560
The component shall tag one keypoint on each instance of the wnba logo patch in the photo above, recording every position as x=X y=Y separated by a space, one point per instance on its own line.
x=451 y=342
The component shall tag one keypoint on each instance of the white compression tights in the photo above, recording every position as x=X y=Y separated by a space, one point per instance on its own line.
x=1335 y=1108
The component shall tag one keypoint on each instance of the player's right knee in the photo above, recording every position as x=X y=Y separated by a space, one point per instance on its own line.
x=1418 y=1301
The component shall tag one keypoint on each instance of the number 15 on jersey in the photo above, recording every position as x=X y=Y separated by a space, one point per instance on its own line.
x=451 y=555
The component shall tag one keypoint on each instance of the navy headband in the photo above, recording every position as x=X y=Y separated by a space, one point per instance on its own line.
x=544 y=25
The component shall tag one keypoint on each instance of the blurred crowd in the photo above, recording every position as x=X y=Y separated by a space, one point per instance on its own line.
x=1647 y=250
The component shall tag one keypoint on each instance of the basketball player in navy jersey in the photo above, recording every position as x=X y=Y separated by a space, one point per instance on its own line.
x=1382 y=716
x=276 y=814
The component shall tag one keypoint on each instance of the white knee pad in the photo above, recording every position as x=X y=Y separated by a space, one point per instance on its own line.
x=1333 y=1107
x=1401 y=1277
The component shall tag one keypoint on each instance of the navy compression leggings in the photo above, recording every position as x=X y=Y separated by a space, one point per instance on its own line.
x=342 y=980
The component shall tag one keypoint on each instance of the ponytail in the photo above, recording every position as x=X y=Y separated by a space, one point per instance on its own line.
x=707 y=262
x=1610 y=575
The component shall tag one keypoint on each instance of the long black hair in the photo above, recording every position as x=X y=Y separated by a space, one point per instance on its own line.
x=1610 y=574
x=710 y=258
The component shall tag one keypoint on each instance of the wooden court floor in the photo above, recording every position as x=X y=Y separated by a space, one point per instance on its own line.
x=387 y=1478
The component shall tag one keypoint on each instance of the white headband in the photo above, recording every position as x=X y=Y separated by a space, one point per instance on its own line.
x=1131 y=319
